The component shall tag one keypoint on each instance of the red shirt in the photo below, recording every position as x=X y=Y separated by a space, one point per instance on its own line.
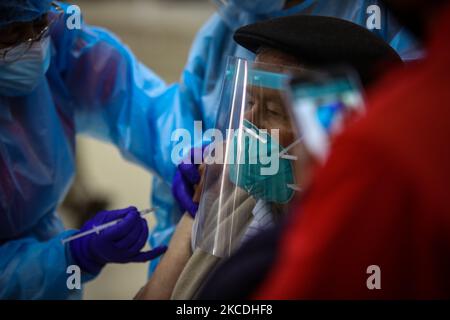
x=383 y=197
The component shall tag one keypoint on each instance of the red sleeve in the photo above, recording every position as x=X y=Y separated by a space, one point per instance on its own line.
x=346 y=224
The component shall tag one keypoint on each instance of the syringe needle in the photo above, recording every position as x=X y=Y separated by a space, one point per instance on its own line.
x=97 y=229
x=147 y=211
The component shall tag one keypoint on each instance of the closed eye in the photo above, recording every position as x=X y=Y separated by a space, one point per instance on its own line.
x=274 y=109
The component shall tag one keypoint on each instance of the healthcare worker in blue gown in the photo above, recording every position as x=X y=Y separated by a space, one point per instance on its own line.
x=58 y=82
x=201 y=82
x=54 y=83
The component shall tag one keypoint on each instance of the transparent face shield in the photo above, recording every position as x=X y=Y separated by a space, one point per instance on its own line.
x=249 y=176
x=323 y=103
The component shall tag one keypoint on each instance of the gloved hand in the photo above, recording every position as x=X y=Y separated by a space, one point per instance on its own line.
x=186 y=177
x=121 y=243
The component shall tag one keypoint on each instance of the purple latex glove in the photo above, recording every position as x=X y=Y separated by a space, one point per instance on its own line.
x=186 y=177
x=121 y=243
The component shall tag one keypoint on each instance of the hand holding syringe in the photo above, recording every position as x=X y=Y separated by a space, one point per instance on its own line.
x=113 y=236
x=99 y=228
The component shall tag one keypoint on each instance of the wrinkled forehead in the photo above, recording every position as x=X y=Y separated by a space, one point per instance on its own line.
x=280 y=61
x=273 y=62
x=259 y=93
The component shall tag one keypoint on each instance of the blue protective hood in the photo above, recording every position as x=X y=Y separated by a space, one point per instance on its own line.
x=237 y=13
x=22 y=10
x=259 y=6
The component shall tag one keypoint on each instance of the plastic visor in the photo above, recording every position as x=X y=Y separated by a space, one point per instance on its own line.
x=323 y=104
x=249 y=178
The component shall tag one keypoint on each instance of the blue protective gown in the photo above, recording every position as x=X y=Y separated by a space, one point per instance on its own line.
x=94 y=85
x=202 y=78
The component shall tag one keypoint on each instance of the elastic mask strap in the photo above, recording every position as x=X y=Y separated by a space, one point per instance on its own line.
x=283 y=153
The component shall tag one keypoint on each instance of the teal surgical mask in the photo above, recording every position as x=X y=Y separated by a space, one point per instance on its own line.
x=260 y=166
x=21 y=77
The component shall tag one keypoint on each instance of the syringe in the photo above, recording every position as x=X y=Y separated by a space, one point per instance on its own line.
x=97 y=229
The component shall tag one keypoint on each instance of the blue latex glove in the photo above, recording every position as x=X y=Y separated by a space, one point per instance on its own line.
x=184 y=181
x=121 y=243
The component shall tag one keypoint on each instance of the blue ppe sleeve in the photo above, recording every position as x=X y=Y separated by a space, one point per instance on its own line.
x=32 y=269
x=406 y=46
x=96 y=80
x=119 y=100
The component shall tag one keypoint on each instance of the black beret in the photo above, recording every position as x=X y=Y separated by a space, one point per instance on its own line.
x=318 y=41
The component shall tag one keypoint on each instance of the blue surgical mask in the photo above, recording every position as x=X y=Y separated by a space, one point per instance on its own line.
x=21 y=77
x=255 y=155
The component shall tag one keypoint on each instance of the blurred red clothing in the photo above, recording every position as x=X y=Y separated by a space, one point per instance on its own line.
x=383 y=198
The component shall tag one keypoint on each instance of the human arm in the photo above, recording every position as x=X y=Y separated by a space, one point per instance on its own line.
x=115 y=98
x=163 y=280
x=33 y=269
